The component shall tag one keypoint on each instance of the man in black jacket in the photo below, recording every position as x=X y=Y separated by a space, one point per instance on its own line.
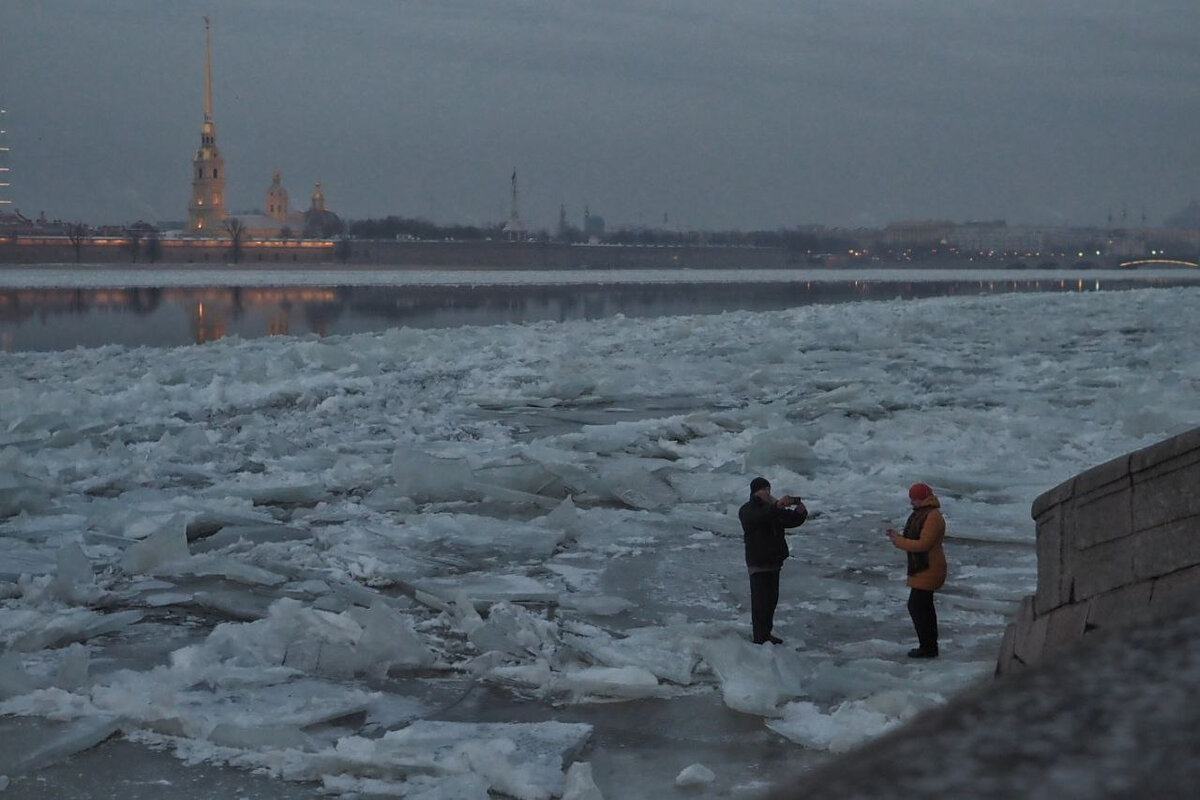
x=763 y=521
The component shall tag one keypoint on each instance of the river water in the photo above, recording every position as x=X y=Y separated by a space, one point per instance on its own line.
x=57 y=310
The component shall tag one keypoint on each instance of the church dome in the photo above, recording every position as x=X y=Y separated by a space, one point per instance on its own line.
x=320 y=222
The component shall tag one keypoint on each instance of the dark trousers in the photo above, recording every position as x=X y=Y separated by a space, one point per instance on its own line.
x=764 y=596
x=924 y=618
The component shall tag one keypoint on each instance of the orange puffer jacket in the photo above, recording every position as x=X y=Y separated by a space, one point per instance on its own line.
x=933 y=531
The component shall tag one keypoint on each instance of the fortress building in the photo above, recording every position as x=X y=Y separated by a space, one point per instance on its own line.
x=280 y=222
x=206 y=212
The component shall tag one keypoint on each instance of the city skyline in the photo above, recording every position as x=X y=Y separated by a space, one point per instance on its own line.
x=785 y=116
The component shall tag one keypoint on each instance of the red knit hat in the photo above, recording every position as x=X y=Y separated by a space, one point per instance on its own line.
x=919 y=491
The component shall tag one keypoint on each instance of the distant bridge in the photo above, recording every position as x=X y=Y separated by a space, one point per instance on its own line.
x=1134 y=263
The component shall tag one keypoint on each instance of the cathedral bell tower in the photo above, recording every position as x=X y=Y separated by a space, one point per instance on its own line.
x=277 y=199
x=206 y=212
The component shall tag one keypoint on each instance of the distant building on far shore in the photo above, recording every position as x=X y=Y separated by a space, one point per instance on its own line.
x=280 y=222
x=207 y=211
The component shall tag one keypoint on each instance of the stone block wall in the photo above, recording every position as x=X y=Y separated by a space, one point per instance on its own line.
x=1116 y=545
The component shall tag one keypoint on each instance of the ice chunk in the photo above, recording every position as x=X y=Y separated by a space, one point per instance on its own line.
x=634 y=483
x=521 y=760
x=71 y=625
x=192 y=440
x=644 y=649
x=467 y=786
x=260 y=737
x=511 y=629
x=312 y=587
x=389 y=498
x=618 y=682
x=279 y=493
x=207 y=522
x=522 y=478
x=251 y=534
x=564 y=517
x=466 y=618
x=755 y=679
x=228 y=568
x=600 y=605
x=537 y=676
x=485 y=589
x=72 y=672
x=426 y=479
x=580 y=785
x=394 y=711
x=355 y=642
x=167 y=545
x=330 y=357
x=22 y=755
x=20 y=561
x=469 y=541
x=74 y=581
x=14 y=679
x=388 y=639
x=163 y=599
x=21 y=493
x=695 y=775
x=782 y=447
x=493 y=492
x=848 y=725
x=230 y=602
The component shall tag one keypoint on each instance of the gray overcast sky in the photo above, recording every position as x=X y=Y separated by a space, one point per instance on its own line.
x=718 y=113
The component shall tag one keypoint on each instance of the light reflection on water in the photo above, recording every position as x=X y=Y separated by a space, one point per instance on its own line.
x=55 y=319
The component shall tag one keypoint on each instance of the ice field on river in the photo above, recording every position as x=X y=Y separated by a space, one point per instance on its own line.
x=493 y=561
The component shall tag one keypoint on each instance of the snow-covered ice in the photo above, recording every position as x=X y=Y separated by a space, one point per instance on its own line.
x=295 y=555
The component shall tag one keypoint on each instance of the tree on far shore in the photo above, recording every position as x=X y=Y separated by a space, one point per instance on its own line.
x=153 y=245
x=237 y=235
x=77 y=234
x=133 y=242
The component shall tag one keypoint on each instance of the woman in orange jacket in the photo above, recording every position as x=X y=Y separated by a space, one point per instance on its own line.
x=921 y=540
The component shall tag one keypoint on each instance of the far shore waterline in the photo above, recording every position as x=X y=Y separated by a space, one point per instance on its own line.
x=70 y=275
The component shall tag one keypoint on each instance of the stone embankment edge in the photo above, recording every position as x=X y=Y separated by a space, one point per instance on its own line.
x=1117 y=546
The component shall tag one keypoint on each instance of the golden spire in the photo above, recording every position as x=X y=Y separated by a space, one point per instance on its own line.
x=207 y=74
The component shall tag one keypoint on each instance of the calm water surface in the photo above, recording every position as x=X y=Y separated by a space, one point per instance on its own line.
x=64 y=318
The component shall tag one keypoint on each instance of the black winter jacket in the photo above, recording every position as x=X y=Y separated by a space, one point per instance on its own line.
x=763 y=524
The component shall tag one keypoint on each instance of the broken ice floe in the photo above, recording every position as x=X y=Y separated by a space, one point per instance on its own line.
x=28 y=629
x=52 y=743
x=849 y=723
x=580 y=785
x=695 y=775
x=520 y=760
x=356 y=642
x=755 y=679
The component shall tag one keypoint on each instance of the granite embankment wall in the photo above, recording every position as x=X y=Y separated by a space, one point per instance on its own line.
x=1117 y=546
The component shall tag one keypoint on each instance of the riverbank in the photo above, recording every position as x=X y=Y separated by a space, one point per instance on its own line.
x=33 y=251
